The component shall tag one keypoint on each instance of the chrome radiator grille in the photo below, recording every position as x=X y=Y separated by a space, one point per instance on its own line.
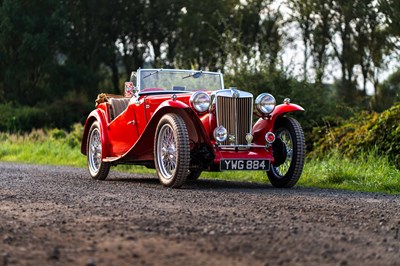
x=235 y=114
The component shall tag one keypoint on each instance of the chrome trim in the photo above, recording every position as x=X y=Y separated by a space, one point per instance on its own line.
x=194 y=95
x=244 y=146
x=267 y=135
x=260 y=98
x=139 y=75
x=236 y=114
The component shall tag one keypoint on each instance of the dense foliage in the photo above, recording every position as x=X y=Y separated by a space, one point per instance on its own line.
x=64 y=52
x=377 y=132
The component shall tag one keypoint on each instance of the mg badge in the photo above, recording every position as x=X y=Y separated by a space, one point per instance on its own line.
x=232 y=139
x=235 y=92
x=249 y=138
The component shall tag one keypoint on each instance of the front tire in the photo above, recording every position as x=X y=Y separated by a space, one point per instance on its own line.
x=193 y=175
x=97 y=168
x=172 y=151
x=287 y=172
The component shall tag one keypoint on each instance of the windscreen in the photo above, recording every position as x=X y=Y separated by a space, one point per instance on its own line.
x=169 y=80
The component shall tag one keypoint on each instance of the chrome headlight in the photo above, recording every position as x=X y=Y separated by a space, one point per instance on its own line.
x=220 y=134
x=265 y=103
x=200 y=101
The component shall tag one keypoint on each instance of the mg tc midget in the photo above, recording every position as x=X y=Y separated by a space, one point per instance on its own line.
x=184 y=122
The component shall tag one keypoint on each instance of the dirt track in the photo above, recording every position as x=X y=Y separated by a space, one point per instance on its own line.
x=59 y=216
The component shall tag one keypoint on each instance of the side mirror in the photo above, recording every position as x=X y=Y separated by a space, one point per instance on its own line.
x=130 y=87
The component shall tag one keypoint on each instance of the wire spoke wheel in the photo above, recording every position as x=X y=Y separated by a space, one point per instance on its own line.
x=167 y=151
x=286 y=138
x=288 y=171
x=95 y=151
x=172 y=151
x=97 y=168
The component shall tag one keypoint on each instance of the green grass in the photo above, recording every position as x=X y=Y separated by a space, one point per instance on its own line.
x=368 y=172
x=41 y=147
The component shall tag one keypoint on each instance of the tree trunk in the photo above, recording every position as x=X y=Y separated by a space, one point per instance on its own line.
x=115 y=77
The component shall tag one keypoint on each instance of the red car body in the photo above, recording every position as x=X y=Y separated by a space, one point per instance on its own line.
x=128 y=130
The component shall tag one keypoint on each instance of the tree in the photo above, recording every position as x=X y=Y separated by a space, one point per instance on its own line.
x=251 y=37
x=30 y=36
x=391 y=8
x=131 y=40
x=356 y=33
x=303 y=16
x=201 y=26
x=93 y=29
x=321 y=35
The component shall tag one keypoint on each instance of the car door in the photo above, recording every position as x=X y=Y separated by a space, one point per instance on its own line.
x=123 y=131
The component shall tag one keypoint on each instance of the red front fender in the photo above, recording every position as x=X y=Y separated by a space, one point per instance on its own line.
x=285 y=108
x=171 y=103
x=264 y=125
x=142 y=150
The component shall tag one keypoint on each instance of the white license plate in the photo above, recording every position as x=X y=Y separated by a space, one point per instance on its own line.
x=237 y=164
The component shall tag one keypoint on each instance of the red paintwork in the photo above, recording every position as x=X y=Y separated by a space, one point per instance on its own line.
x=122 y=133
x=100 y=116
x=129 y=138
x=254 y=153
x=266 y=124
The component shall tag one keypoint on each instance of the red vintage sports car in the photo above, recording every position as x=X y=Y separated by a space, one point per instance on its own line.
x=183 y=122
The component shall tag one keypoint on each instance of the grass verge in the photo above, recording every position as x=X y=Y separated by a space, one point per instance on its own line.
x=368 y=172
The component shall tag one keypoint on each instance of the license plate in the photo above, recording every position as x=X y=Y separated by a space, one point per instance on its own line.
x=237 y=164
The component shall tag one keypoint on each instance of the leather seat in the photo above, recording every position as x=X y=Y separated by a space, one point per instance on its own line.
x=118 y=105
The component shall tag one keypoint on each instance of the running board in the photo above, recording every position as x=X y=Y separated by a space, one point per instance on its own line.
x=111 y=159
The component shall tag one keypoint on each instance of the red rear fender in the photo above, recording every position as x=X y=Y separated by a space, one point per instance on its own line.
x=100 y=116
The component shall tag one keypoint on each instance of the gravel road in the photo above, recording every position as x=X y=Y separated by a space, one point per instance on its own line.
x=59 y=216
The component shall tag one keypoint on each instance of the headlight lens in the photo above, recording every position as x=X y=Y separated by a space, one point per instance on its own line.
x=220 y=134
x=200 y=101
x=265 y=103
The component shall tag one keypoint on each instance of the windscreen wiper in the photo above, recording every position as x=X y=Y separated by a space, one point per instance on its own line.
x=152 y=73
x=195 y=75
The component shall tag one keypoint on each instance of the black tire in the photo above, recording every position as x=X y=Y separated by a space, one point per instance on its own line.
x=287 y=173
x=97 y=168
x=172 y=151
x=193 y=175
